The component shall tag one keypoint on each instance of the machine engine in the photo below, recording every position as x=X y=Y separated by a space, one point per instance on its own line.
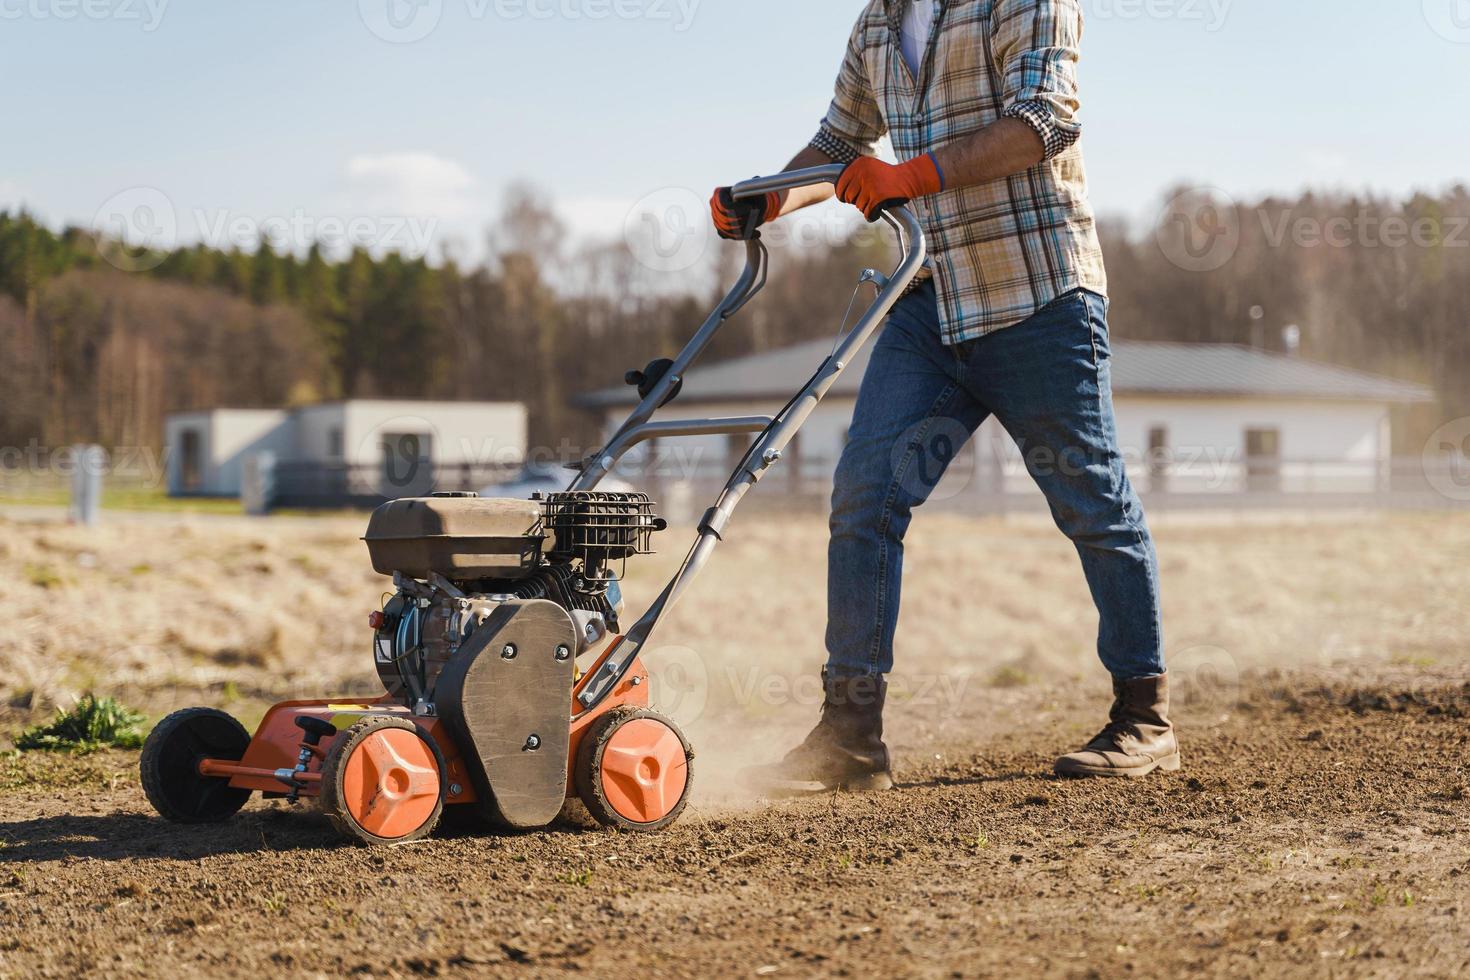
x=455 y=557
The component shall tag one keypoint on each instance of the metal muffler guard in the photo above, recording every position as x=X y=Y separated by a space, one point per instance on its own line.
x=506 y=698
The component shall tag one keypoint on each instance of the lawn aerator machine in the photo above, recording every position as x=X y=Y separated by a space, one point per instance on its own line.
x=509 y=687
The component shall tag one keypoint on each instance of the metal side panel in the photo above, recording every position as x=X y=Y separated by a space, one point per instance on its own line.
x=505 y=697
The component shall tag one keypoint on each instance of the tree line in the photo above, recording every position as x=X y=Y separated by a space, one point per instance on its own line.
x=94 y=353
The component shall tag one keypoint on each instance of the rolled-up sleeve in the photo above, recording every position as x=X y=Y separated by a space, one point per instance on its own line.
x=854 y=123
x=1037 y=44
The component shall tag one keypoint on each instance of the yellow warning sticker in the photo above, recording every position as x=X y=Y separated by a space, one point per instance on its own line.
x=344 y=715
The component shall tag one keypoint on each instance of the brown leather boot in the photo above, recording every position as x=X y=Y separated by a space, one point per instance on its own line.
x=845 y=750
x=1138 y=739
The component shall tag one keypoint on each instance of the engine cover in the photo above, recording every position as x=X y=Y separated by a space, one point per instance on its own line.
x=507 y=699
x=458 y=537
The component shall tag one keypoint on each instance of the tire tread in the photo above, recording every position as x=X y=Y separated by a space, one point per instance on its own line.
x=331 y=798
x=588 y=770
x=154 y=777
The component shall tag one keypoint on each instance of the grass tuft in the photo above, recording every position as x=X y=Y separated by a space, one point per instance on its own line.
x=1010 y=676
x=43 y=576
x=93 y=723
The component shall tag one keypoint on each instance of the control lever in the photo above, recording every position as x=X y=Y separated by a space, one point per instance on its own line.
x=313 y=731
x=651 y=374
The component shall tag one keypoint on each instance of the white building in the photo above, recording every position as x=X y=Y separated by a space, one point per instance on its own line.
x=1193 y=419
x=361 y=447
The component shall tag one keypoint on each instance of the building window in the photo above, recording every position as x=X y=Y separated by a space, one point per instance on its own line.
x=408 y=464
x=334 y=442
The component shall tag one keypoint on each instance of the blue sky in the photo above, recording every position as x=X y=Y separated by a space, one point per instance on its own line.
x=276 y=108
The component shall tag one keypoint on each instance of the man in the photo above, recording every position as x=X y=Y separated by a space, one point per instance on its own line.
x=979 y=98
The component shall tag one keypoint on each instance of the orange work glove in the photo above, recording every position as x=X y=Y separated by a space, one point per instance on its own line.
x=869 y=183
x=738 y=220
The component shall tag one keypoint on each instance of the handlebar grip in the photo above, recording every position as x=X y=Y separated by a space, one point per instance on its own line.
x=886 y=206
x=788 y=180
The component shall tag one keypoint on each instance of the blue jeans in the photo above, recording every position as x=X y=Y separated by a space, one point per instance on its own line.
x=1047 y=381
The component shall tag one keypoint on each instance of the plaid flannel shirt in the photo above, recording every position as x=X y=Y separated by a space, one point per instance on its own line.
x=1002 y=249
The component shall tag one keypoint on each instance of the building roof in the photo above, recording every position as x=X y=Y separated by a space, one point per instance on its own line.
x=397 y=404
x=1139 y=368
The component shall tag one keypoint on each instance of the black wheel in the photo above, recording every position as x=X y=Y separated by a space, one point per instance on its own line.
x=170 y=766
x=383 y=782
x=634 y=770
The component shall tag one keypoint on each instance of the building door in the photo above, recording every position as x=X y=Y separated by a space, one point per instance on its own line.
x=1263 y=460
x=1158 y=459
x=191 y=461
x=737 y=444
x=791 y=457
x=408 y=465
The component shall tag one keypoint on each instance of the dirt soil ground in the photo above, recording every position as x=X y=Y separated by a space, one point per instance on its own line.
x=1319 y=827
x=1322 y=687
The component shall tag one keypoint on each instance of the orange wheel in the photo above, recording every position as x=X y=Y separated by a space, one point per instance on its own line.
x=634 y=770
x=383 y=782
